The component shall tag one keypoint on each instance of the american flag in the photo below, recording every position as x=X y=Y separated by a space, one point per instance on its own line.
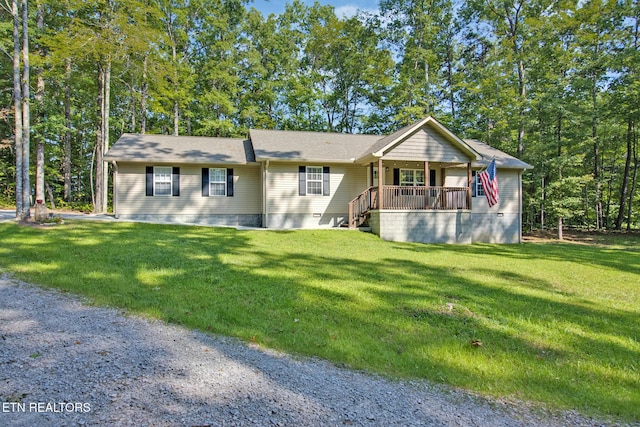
x=489 y=180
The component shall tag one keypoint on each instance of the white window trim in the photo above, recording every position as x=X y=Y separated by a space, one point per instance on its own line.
x=156 y=180
x=211 y=181
x=413 y=183
x=309 y=180
x=478 y=185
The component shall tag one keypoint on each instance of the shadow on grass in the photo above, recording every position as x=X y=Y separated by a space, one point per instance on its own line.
x=625 y=259
x=165 y=376
x=400 y=310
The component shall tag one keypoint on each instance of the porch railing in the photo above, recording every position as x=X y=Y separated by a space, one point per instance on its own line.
x=361 y=205
x=407 y=198
x=399 y=197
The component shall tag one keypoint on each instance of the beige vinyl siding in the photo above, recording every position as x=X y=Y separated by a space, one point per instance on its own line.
x=131 y=199
x=455 y=177
x=508 y=192
x=427 y=144
x=346 y=182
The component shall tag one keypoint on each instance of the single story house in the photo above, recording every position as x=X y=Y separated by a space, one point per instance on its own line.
x=417 y=184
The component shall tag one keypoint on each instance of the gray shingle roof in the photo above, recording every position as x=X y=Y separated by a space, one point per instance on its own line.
x=180 y=149
x=503 y=160
x=284 y=145
x=275 y=145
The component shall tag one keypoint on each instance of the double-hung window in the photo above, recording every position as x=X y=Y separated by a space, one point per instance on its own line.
x=162 y=180
x=217 y=182
x=412 y=177
x=314 y=180
x=477 y=190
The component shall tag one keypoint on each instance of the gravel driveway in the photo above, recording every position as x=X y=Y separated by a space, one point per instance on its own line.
x=63 y=362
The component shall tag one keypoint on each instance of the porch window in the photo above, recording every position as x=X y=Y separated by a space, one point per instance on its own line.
x=217 y=182
x=476 y=186
x=412 y=177
x=314 y=180
x=162 y=180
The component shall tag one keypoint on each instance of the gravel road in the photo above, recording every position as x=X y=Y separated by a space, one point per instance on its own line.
x=66 y=363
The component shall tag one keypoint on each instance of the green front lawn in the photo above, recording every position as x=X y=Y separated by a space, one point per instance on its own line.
x=553 y=323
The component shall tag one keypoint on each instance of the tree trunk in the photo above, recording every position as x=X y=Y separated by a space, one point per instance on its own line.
x=452 y=101
x=97 y=194
x=560 y=223
x=105 y=137
x=625 y=177
x=560 y=226
x=176 y=117
x=67 y=132
x=542 y=207
x=17 y=107
x=634 y=181
x=91 y=186
x=26 y=114
x=561 y=196
x=176 y=104
x=143 y=97
x=596 y=152
x=40 y=213
x=52 y=201
x=522 y=109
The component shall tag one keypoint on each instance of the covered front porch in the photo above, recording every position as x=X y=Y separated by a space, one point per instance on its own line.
x=414 y=188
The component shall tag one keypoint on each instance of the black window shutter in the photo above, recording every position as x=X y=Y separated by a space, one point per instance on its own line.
x=432 y=178
x=396 y=176
x=205 y=182
x=149 y=186
x=326 y=190
x=302 y=181
x=474 y=177
x=175 y=181
x=229 y=182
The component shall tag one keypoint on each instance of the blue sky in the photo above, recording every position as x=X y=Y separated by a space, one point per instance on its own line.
x=342 y=7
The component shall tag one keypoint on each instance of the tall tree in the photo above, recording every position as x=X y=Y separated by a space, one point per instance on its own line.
x=40 y=213
x=19 y=13
x=626 y=101
x=594 y=23
x=422 y=32
x=509 y=22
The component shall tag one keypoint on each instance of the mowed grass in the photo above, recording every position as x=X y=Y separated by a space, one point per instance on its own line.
x=556 y=324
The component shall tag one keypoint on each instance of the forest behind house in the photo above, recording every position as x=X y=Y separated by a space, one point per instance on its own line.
x=555 y=83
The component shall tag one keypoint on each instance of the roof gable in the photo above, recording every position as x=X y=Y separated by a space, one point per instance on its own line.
x=429 y=124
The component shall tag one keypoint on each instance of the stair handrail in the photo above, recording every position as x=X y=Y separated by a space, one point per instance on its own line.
x=360 y=206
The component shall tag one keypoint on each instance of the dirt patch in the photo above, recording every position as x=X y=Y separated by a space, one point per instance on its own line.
x=35 y=224
x=584 y=237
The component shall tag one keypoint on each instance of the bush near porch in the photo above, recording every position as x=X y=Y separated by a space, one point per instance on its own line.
x=556 y=324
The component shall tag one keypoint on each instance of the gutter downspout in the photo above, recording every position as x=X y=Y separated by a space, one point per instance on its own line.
x=265 y=202
x=115 y=194
x=520 y=207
